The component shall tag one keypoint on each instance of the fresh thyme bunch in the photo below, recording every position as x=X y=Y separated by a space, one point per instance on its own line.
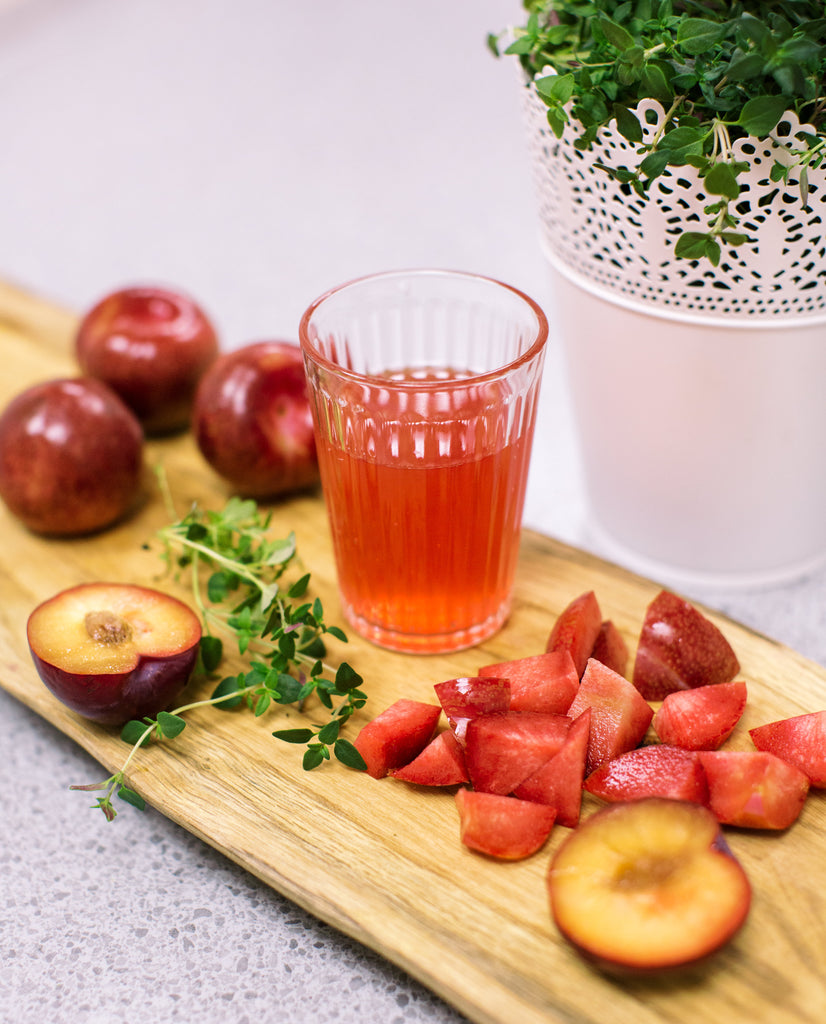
x=235 y=569
x=721 y=70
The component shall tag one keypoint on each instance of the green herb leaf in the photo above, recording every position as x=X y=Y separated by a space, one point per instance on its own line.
x=760 y=115
x=557 y=119
x=347 y=678
x=691 y=245
x=136 y=732
x=314 y=647
x=616 y=35
x=654 y=83
x=720 y=180
x=697 y=35
x=211 y=651
x=217 y=587
x=558 y=88
x=682 y=138
x=329 y=733
x=734 y=239
x=289 y=688
x=299 y=588
x=750 y=65
x=262 y=704
x=294 y=735
x=654 y=164
x=521 y=45
x=227 y=694
x=347 y=753
x=286 y=645
x=313 y=757
x=170 y=725
x=778 y=171
x=129 y=796
x=628 y=123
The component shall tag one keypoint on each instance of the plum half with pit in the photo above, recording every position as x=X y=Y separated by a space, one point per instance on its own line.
x=71 y=457
x=648 y=886
x=151 y=345
x=113 y=652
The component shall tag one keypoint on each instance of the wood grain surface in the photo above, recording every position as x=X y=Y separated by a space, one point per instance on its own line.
x=381 y=860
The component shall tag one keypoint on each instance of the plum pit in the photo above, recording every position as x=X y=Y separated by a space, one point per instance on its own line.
x=646 y=871
x=107 y=628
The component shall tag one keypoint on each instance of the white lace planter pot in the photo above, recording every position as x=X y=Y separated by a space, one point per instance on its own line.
x=699 y=393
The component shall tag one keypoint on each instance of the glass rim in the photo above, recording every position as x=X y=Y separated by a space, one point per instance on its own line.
x=533 y=350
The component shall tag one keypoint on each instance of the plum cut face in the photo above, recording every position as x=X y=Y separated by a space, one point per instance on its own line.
x=648 y=886
x=114 y=652
x=97 y=628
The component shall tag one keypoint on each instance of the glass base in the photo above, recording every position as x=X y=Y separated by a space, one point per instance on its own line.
x=429 y=643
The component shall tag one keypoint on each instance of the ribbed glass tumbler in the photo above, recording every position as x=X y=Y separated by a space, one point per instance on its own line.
x=424 y=386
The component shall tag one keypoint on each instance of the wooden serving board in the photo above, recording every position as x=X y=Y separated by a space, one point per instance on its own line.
x=382 y=861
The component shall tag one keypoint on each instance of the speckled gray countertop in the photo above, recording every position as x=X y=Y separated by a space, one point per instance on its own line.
x=253 y=152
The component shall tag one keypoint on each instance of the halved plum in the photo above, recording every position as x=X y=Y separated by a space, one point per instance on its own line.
x=114 y=651
x=648 y=886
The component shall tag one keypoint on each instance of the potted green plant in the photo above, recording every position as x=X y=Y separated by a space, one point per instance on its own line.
x=679 y=156
x=721 y=70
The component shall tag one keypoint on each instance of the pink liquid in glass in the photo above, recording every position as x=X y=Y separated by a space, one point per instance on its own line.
x=425 y=496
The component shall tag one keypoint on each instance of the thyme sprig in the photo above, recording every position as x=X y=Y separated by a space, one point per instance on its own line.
x=721 y=70
x=235 y=569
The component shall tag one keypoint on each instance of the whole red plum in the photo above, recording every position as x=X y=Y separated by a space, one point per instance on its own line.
x=71 y=456
x=252 y=420
x=151 y=345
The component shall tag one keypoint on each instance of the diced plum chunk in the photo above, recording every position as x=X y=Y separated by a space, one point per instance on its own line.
x=619 y=715
x=397 y=735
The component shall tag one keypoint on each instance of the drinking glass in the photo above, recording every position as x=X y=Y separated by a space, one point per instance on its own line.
x=423 y=386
